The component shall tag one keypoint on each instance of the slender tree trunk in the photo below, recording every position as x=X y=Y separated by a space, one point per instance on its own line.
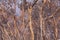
x=41 y=24
x=55 y=29
x=23 y=24
x=30 y=23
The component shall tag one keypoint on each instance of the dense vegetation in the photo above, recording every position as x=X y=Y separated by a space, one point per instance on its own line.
x=29 y=19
